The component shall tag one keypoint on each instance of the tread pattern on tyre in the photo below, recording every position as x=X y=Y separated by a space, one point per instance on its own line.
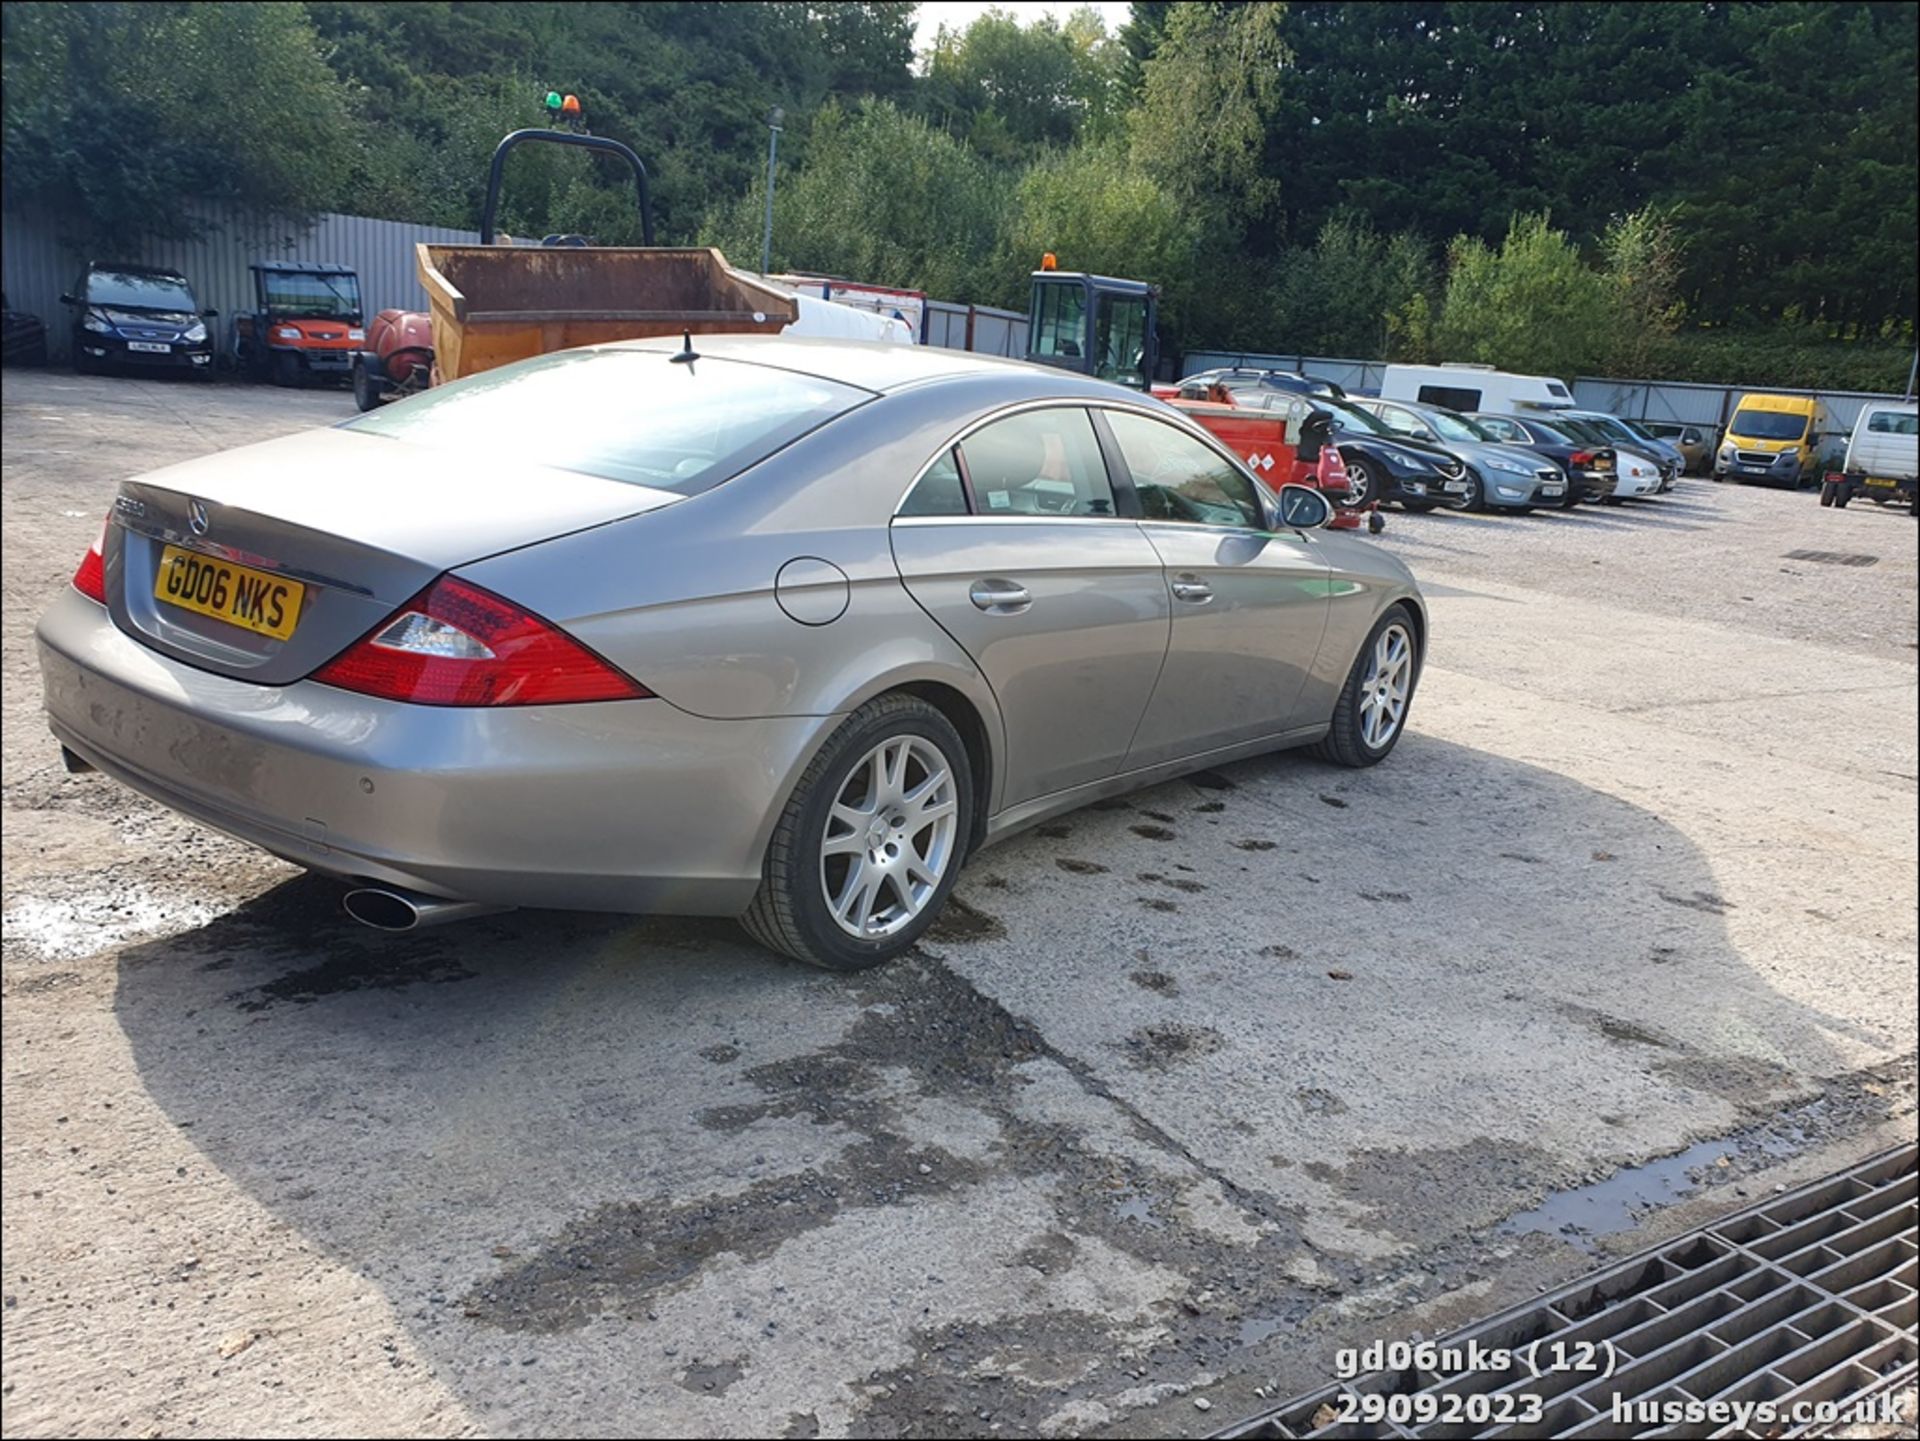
x=771 y=919
x=1341 y=744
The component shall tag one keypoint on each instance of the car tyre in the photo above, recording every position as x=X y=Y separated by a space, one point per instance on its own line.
x=286 y=369
x=1475 y=499
x=1827 y=490
x=791 y=913
x=1363 y=485
x=1348 y=742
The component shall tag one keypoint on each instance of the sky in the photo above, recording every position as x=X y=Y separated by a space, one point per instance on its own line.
x=958 y=14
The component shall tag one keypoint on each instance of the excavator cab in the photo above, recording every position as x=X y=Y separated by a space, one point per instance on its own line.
x=1093 y=324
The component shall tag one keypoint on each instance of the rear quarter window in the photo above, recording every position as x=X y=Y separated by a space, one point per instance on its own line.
x=627 y=415
x=1894 y=422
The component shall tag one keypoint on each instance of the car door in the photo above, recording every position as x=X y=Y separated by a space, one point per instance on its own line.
x=1014 y=543
x=1249 y=603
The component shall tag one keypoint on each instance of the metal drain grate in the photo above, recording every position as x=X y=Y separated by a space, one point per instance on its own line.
x=1808 y=1297
x=1832 y=557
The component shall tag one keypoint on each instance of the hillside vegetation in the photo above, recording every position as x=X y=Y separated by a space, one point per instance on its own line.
x=1714 y=191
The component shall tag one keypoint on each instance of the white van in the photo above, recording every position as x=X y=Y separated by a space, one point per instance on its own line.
x=1469 y=388
x=1883 y=457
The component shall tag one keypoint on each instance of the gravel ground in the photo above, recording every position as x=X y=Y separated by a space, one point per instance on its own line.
x=1188 y=1090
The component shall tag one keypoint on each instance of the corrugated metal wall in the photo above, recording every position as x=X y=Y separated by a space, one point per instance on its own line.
x=38 y=269
x=1710 y=406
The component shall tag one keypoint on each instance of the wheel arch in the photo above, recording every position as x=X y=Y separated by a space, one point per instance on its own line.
x=972 y=725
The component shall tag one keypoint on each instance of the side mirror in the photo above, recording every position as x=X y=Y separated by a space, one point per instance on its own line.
x=209 y=314
x=68 y=300
x=1304 y=508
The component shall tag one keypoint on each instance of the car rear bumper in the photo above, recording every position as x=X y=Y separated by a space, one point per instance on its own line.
x=624 y=805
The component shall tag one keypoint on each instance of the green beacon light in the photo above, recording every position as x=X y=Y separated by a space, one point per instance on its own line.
x=553 y=101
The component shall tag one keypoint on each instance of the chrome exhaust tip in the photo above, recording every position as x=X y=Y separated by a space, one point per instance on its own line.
x=388 y=908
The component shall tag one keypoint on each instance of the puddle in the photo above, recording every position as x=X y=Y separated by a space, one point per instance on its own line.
x=1137 y=1208
x=1619 y=1202
x=81 y=926
x=1256 y=1329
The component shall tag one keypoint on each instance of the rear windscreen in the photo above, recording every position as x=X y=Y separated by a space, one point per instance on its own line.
x=1894 y=422
x=626 y=415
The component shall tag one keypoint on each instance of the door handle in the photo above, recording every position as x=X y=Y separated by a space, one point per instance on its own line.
x=1000 y=597
x=1191 y=588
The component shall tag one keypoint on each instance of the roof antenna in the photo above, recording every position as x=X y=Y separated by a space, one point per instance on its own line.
x=686 y=356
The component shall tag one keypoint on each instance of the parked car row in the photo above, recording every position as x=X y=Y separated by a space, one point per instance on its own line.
x=306 y=321
x=1523 y=446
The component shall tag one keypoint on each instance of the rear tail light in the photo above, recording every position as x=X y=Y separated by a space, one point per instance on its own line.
x=91 y=578
x=456 y=644
x=1581 y=457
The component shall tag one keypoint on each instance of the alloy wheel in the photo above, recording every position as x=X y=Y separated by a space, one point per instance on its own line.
x=890 y=835
x=1385 y=687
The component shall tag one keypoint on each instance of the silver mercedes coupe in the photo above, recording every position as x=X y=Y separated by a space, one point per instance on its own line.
x=756 y=627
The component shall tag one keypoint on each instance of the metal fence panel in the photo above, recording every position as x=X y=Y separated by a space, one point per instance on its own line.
x=999 y=332
x=944 y=324
x=1350 y=375
x=38 y=268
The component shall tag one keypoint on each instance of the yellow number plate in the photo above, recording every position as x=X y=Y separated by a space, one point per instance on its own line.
x=251 y=599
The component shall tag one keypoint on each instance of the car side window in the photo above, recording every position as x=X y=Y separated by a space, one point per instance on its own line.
x=1407 y=423
x=1179 y=479
x=1499 y=429
x=1040 y=462
x=939 y=492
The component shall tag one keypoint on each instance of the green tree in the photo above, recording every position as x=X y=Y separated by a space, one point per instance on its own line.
x=1209 y=94
x=1532 y=305
x=1008 y=89
x=119 y=116
x=1641 y=263
x=1335 y=297
x=883 y=198
x=1098 y=211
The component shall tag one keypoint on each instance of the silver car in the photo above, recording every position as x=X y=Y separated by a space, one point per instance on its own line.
x=783 y=630
x=1504 y=477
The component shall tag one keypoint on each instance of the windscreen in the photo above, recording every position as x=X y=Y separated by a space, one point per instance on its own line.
x=1453 y=427
x=313 y=296
x=627 y=415
x=1767 y=425
x=155 y=292
x=1353 y=418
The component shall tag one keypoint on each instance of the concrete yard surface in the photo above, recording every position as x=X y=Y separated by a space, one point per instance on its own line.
x=1186 y=1089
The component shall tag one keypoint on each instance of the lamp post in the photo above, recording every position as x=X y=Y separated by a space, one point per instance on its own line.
x=773 y=149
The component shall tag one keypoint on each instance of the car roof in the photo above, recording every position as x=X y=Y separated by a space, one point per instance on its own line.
x=882 y=366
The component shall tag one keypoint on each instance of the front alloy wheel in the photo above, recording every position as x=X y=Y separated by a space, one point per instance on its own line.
x=1372 y=709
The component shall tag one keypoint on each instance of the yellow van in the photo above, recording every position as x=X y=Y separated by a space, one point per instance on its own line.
x=1773 y=438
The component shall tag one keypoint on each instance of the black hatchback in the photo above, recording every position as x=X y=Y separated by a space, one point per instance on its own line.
x=134 y=317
